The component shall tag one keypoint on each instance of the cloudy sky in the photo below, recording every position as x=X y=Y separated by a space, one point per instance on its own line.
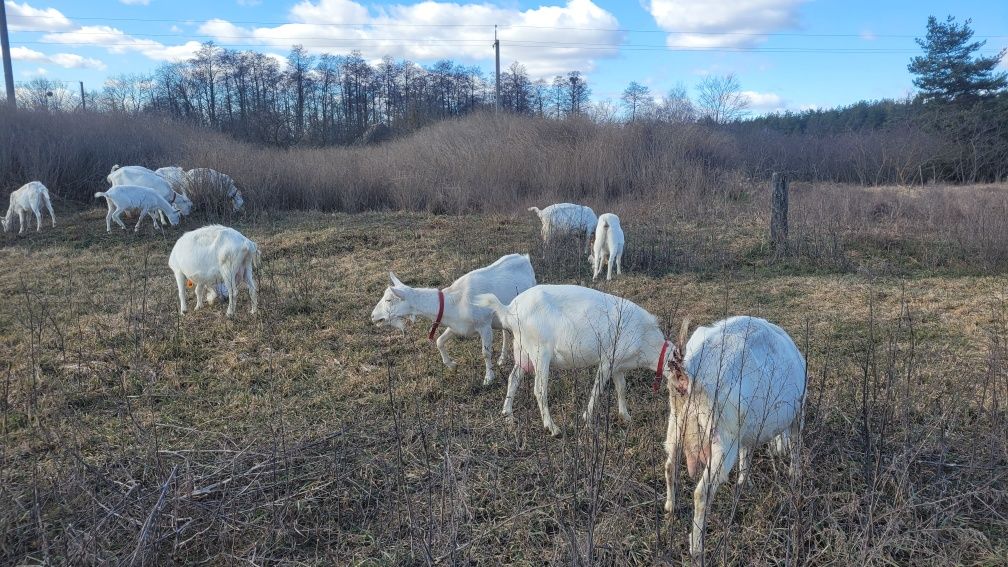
x=787 y=54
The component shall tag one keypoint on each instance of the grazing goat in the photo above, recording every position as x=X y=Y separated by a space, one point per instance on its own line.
x=210 y=256
x=200 y=179
x=566 y=218
x=608 y=247
x=568 y=326
x=453 y=307
x=734 y=386
x=174 y=175
x=30 y=197
x=142 y=177
x=122 y=198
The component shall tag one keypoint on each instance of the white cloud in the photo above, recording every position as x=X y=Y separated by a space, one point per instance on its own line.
x=65 y=60
x=117 y=41
x=763 y=103
x=135 y=2
x=461 y=32
x=24 y=17
x=721 y=23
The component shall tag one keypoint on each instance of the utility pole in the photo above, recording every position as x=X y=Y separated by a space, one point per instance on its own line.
x=5 y=45
x=83 y=103
x=497 y=83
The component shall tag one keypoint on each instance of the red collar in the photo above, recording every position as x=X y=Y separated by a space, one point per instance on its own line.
x=659 y=368
x=440 y=312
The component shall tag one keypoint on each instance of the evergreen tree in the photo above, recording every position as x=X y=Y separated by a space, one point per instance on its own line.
x=950 y=70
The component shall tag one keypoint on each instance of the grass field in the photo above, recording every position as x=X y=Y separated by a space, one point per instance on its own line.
x=304 y=435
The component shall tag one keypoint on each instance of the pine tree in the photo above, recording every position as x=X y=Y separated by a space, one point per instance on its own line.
x=950 y=70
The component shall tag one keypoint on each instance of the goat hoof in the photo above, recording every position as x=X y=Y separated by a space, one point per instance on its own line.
x=668 y=506
x=626 y=418
x=451 y=364
x=488 y=379
x=553 y=429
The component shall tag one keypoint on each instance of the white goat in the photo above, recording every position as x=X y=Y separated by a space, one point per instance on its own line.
x=142 y=177
x=734 y=386
x=453 y=307
x=174 y=175
x=608 y=247
x=215 y=254
x=199 y=178
x=566 y=218
x=568 y=326
x=123 y=198
x=30 y=197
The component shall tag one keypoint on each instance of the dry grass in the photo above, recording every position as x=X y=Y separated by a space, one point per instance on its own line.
x=305 y=435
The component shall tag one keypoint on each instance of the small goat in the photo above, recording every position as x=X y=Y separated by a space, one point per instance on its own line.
x=734 y=386
x=30 y=197
x=566 y=218
x=608 y=247
x=453 y=307
x=210 y=256
x=122 y=198
x=568 y=326
x=142 y=177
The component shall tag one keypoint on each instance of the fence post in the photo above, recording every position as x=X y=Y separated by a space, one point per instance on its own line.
x=778 y=210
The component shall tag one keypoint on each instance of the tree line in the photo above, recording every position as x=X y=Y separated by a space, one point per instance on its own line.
x=956 y=125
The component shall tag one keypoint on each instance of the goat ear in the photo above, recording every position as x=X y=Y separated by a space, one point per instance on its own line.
x=681 y=339
x=398 y=292
x=395 y=280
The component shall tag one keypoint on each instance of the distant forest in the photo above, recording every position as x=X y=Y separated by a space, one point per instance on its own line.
x=955 y=128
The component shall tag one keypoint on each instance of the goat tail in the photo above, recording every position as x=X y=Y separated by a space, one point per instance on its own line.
x=99 y=194
x=535 y=210
x=115 y=167
x=252 y=253
x=490 y=301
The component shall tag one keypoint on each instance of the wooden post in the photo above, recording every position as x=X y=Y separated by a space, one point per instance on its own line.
x=779 y=210
x=496 y=46
x=5 y=46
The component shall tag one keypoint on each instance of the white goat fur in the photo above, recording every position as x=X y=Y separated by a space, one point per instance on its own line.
x=568 y=326
x=566 y=218
x=608 y=247
x=504 y=279
x=212 y=255
x=30 y=197
x=123 y=198
x=740 y=384
x=142 y=177
x=174 y=175
x=215 y=178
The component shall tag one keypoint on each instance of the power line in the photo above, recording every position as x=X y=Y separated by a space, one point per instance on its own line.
x=406 y=42
x=482 y=26
x=194 y=37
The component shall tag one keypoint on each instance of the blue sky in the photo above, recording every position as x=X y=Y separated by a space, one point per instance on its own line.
x=787 y=54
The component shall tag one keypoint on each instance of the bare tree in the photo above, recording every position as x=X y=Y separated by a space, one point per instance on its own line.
x=720 y=99
x=635 y=96
x=676 y=106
